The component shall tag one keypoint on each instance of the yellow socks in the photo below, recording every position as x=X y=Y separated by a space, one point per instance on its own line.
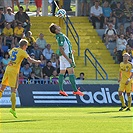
x=1 y=94
x=13 y=100
x=122 y=100
x=129 y=101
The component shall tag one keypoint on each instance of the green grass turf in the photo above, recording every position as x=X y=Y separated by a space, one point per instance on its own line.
x=67 y=120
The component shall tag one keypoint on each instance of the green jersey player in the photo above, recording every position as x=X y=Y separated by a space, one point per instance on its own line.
x=66 y=60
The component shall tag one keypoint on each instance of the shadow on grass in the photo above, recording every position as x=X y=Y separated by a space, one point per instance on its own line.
x=122 y=116
x=16 y=121
x=101 y=112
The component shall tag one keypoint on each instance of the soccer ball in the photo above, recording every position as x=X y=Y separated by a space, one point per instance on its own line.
x=61 y=13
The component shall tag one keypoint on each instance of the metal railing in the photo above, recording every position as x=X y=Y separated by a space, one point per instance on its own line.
x=74 y=33
x=96 y=65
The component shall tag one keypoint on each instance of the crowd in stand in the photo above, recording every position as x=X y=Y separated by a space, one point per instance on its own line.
x=112 y=16
x=14 y=27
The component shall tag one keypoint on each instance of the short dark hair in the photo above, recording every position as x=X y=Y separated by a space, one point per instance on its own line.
x=48 y=61
x=52 y=28
x=82 y=73
x=23 y=42
x=21 y=7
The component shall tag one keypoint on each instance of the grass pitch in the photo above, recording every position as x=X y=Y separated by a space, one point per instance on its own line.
x=66 y=120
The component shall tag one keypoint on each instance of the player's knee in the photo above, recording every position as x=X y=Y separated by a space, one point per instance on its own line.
x=128 y=94
x=70 y=71
x=120 y=93
x=13 y=90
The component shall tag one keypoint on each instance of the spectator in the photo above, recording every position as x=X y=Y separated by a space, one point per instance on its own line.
x=37 y=71
x=113 y=4
x=47 y=71
x=81 y=76
x=128 y=7
x=32 y=78
x=1 y=72
x=5 y=60
x=7 y=3
x=10 y=17
x=41 y=42
x=47 y=52
x=54 y=78
x=130 y=41
x=120 y=46
x=38 y=4
x=1 y=53
x=119 y=15
x=26 y=2
x=129 y=51
x=31 y=41
x=54 y=61
x=84 y=7
x=32 y=55
x=8 y=35
x=121 y=30
x=2 y=20
x=97 y=14
x=21 y=78
x=26 y=70
x=1 y=3
x=43 y=61
x=36 y=51
x=18 y=33
x=107 y=13
x=50 y=3
x=54 y=6
x=110 y=34
x=17 y=3
x=129 y=30
x=23 y=18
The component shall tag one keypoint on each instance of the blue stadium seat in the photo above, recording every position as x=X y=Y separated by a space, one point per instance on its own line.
x=111 y=45
x=100 y=32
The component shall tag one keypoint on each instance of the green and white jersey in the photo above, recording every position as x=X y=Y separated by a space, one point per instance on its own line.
x=65 y=43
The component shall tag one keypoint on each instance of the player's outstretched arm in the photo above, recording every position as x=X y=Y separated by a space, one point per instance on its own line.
x=31 y=60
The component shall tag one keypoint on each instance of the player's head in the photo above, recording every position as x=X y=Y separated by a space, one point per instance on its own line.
x=23 y=43
x=126 y=57
x=55 y=29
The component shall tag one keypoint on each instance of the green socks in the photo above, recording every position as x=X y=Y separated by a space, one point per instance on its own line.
x=13 y=100
x=72 y=80
x=61 y=78
x=73 y=83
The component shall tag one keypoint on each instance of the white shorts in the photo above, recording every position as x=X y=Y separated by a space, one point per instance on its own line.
x=64 y=64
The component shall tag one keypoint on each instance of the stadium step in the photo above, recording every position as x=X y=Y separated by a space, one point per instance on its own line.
x=89 y=38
